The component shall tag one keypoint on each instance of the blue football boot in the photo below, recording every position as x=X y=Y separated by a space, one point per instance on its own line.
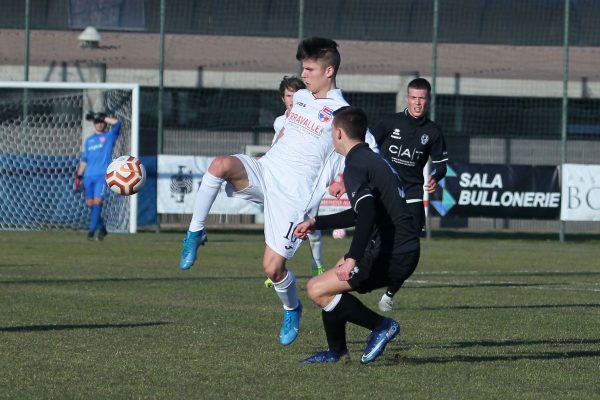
x=191 y=242
x=379 y=338
x=290 y=325
x=327 y=356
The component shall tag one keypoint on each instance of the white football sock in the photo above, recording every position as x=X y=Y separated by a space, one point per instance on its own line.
x=286 y=290
x=333 y=303
x=315 y=247
x=205 y=197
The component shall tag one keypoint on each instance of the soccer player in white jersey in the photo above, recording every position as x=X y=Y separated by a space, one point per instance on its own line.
x=287 y=87
x=292 y=170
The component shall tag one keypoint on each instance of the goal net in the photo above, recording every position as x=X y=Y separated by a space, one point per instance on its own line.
x=42 y=130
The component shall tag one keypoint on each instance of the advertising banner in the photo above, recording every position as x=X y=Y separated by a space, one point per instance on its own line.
x=498 y=191
x=179 y=178
x=580 y=193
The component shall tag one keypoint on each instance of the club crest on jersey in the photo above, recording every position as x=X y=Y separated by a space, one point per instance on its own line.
x=325 y=114
x=102 y=139
x=396 y=134
x=424 y=139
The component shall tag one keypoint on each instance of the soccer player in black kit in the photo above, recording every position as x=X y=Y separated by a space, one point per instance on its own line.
x=385 y=247
x=407 y=140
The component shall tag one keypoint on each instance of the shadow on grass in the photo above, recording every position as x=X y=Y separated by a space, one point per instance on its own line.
x=260 y=278
x=502 y=343
x=11 y=265
x=394 y=357
x=559 y=355
x=66 y=327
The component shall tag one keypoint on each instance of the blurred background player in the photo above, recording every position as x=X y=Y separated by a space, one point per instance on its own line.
x=385 y=246
x=407 y=140
x=95 y=158
x=288 y=86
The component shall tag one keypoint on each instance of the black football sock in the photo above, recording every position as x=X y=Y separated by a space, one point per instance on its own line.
x=335 y=331
x=353 y=310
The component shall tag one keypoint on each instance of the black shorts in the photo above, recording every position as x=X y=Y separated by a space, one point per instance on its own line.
x=379 y=269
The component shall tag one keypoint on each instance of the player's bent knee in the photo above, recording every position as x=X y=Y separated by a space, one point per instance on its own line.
x=223 y=166
x=275 y=274
x=315 y=289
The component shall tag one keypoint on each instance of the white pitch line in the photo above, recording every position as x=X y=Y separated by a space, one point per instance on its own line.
x=486 y=272
x=509 y=285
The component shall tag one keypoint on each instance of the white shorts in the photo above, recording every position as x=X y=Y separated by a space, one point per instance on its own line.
x=280 y=217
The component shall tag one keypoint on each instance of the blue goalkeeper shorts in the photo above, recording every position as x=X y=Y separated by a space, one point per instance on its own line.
x=95 y=187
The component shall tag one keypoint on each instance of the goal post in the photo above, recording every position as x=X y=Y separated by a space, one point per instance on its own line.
x=42 y=130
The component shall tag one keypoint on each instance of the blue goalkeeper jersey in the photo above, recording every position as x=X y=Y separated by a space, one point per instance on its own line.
x=97 y=150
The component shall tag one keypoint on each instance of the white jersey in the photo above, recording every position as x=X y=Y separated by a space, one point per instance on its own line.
x=277 y=125
x=304 y=157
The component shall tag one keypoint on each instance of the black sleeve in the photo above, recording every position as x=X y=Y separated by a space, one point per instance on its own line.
x=343 y=219
x=439 y=156
x=439 y=170
x=379 y=131
x=365 y=220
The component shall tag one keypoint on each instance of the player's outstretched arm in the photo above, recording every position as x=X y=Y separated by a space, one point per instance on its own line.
x=110 y=120
x=302 y=230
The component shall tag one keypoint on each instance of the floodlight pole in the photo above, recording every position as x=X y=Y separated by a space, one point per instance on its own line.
x=27 y=29
x=565 y=109
x=434 y=42
x=161 y=72
x=300 y=30
x=159 y=149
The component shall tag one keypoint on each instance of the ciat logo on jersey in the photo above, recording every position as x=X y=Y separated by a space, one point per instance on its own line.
x=325 y=114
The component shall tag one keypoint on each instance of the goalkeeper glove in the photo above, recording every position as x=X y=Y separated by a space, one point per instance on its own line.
x=78 y=183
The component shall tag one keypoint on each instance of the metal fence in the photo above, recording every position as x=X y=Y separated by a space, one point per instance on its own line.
x=515 y=81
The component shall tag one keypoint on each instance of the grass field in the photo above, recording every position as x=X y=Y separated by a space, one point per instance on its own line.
x=482 y=318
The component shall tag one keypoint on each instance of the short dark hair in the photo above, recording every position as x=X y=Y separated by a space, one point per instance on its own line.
x=321 y=49
x=420 y=84
x=353 y=120
x=291 y=83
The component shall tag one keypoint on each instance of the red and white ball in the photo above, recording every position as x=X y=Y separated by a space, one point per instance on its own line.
x=338 y=233
x=125 y=175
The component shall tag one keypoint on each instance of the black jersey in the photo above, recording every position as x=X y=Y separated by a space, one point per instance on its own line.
x=367 y=174
x=407 y=143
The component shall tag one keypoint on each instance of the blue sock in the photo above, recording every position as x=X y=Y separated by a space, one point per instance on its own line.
x=100 y=224
x=95 y=218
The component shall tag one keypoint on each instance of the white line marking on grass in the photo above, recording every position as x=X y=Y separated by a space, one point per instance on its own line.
x=508 y=285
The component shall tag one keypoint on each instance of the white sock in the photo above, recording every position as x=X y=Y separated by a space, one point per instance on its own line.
x=333 y=303
x=205 y=197
x=315 y=247
x=286 y=290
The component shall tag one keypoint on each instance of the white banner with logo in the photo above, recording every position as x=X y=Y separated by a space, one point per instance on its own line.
x=179 y=178
x=580 y=192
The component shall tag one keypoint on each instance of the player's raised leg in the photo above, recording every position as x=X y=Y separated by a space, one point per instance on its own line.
x=222 y=169
x=284 y=282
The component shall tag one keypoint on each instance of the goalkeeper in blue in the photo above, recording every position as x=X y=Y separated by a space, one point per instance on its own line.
x=95 y=158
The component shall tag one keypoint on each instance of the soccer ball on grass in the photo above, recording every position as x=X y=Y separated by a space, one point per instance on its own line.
x=125 y=175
